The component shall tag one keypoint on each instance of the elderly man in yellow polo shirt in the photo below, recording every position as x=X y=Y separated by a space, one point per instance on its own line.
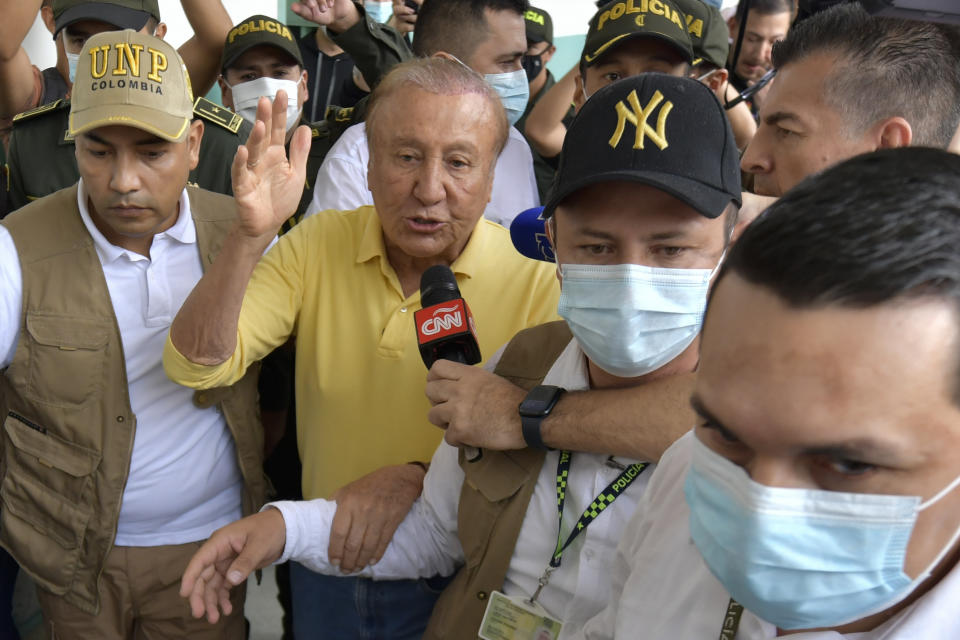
x=346 y=284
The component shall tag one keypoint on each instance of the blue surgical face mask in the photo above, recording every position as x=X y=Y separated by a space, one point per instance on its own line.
x=802 y=558
x=630 y=319
x=514 y=91
x=73 y=59
x=379 y=11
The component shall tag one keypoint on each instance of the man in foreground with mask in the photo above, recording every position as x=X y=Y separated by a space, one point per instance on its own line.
x=819 y=486
x=487 y=36
x=639 y=219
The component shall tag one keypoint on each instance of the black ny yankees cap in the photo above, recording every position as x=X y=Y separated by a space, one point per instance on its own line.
x=667 y=132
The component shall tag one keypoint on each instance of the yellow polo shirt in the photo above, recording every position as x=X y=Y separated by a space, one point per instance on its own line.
x=359 y=379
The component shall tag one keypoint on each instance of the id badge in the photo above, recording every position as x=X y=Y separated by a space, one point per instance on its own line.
x=512 y=618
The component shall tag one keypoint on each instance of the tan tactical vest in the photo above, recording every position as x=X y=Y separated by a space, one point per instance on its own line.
x=495 y=495
x=67 y=423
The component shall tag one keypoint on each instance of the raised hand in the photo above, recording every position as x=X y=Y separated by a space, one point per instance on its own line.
x=337 y=14
x=266 y=186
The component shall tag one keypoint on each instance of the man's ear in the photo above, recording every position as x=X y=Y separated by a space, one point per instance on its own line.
x=578 y=95
x=161 y=30
x=718 y=83
x=46 y=14
x=303 y=91
x=733 y=27
x=226 y=95
x=548 y=53
x=893 y=133
x=193 y=142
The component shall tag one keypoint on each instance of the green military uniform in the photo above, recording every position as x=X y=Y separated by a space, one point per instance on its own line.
x=321 y=139
x=41 y=156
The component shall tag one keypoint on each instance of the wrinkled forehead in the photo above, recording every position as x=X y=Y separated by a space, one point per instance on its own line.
x=412 y=115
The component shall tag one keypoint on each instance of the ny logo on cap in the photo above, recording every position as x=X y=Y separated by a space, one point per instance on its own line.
x=637 y=116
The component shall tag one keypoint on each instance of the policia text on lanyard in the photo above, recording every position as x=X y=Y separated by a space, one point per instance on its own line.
x=601 y=502
x=731 y=621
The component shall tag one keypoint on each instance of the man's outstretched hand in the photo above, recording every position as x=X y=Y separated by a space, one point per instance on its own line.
x=225 y=560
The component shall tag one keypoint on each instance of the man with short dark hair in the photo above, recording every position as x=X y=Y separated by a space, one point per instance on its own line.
x=820 y=485
x=845 y=86
x=540 y=50
x=767 y=22
x=487 y=36
x=112 y=472
x=261 y=57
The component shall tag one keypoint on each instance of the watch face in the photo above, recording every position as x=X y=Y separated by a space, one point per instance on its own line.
x=538 y=400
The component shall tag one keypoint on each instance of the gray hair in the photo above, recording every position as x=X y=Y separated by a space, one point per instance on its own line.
x=440 y=76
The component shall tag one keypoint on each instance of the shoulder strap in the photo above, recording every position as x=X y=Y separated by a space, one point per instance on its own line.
x=529 y=355
x=42 y=109
x=212 y=112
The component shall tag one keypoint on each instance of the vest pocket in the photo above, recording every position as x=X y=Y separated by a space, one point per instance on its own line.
x=65 y=358
x=44 y=514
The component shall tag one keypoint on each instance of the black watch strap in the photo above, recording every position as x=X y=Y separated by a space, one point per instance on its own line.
x=531 y=432
x=535 y=407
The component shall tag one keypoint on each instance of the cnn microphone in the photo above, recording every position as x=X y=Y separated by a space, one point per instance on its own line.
x=529 y=235
x=445 y=327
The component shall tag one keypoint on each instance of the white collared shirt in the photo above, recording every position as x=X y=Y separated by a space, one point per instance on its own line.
x=663 y=587
x=342 y=179
x=184 y=480
x=426 y=542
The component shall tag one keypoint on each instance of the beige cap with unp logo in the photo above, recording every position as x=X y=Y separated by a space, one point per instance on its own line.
x=131 y=79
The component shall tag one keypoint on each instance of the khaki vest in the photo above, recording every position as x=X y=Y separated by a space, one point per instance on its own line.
x=67 y=423
x=495 y=495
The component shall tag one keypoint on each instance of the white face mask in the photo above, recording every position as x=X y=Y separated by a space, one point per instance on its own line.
x=73 y=59
x=630 y=319
x=246 y=95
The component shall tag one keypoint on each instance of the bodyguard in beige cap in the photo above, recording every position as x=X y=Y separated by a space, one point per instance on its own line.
x=112 y=475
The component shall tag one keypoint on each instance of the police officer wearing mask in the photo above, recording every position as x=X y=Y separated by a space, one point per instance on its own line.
x=540 y=50
x=261 y=57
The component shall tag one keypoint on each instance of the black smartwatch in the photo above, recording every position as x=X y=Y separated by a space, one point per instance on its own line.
x=535 y=407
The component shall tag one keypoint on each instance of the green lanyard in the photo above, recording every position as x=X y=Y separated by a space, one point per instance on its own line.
x=591 y=513
x=731 y=620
